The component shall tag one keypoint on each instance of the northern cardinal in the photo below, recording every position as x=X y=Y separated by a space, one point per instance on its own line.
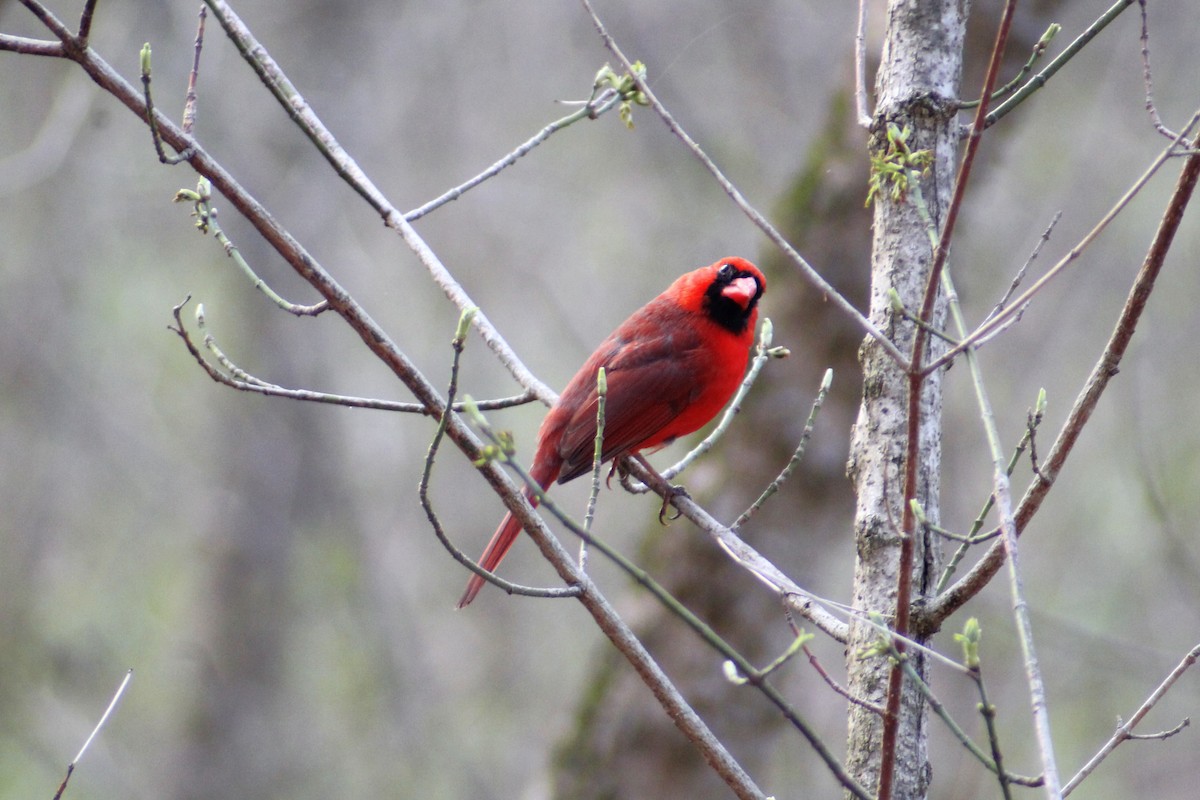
x=670 y=368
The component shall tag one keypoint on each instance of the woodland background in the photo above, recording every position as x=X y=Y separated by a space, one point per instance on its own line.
x=263 y=565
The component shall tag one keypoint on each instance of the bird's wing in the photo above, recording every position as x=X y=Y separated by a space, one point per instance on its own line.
x=650 y=383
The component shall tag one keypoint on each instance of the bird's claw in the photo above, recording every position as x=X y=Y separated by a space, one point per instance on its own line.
x=615 y=468
x=671 y=493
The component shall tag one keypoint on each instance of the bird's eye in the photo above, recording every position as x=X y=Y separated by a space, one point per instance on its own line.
x=726 y=272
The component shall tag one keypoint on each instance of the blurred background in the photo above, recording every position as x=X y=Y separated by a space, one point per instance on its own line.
x=263 y=565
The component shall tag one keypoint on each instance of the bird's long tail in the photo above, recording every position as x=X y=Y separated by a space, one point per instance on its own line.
x=503 y=538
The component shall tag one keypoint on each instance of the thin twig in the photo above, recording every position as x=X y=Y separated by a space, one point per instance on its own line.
x=860 y=68
x=1159 y=736
x=797 y=455
x=1039 y=49
x=996 y=320
x=592 y=109
x=1103 y=371
x=874 y=708
x=1148 y=79
x=1125 y=730
x=87 y=742
x=988 y=711
x=1039 y=80
x=966 y=539
x=806 y=270
x=597 y=462
x=932 y=330
x=1020 y=276
x=237 y=378
x=206 y=221
x=737 y=675
x=189 y=103
x=151 y=117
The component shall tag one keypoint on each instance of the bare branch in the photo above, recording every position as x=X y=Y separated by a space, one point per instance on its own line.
x=1016 y=281
x=237 y=378
x=1125 y=730
x=31 y=47
x=1148 y=79
x=1039 y=50
x=1104 y=370
x=838 y=688
x=85 y=21
x=345 y=166
x=994 y=321
x=54 y=25
x=797 y=454
x=595 y=106
x=860 y=68
x=189 y=102
x=96 y=730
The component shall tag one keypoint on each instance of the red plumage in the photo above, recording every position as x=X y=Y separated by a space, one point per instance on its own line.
x=671 y=367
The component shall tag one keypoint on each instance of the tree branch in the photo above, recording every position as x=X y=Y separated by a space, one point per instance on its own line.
x=380 y=344
x=1104 y=370
x=1125 y=730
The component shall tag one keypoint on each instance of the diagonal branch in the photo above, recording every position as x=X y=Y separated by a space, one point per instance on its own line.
x=1125 y=730
x=1104 y=370
x=379 y=343
x=323 y=139
x=997 y=320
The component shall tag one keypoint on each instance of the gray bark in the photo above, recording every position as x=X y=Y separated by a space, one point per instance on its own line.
x=917 y=86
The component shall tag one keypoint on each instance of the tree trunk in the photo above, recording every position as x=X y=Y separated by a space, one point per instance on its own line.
x=917 y=87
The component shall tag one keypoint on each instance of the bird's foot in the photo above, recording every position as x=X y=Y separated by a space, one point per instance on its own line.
x=671 y=493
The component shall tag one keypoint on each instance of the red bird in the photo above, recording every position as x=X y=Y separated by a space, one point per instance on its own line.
x=670 y=368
